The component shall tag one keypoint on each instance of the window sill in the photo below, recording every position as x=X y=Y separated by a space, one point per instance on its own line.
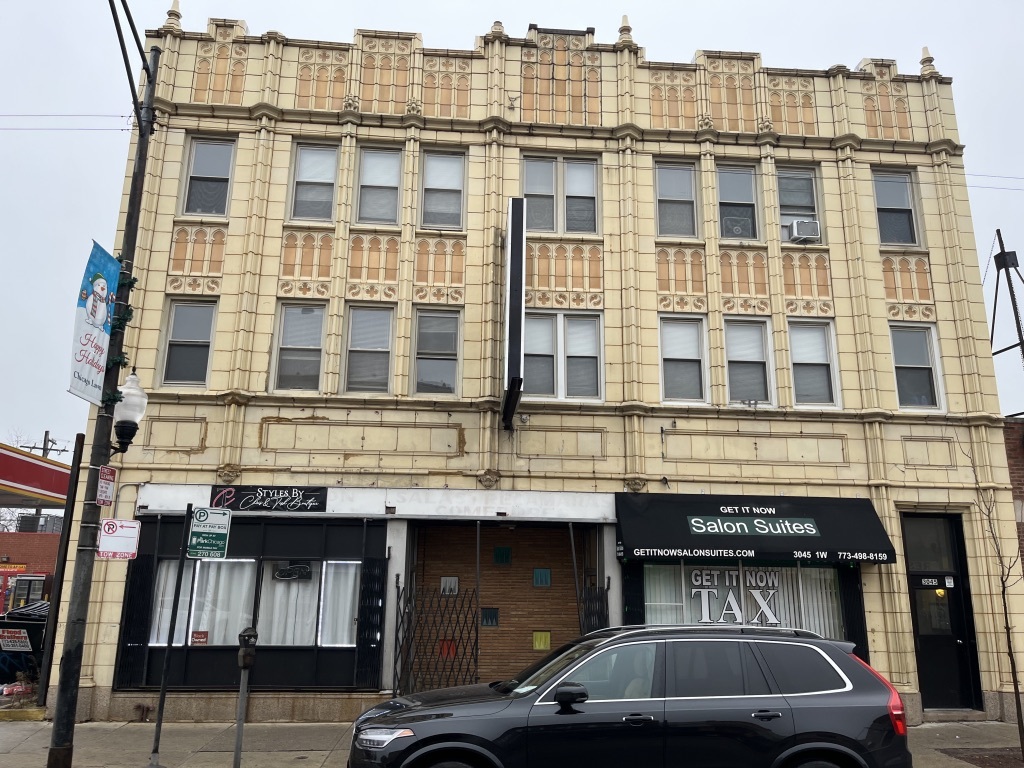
x=193 y=219
x=363 y=227
x=562 y=400
x=428 y=232
x=737 y=243
x=689 y=242
x=318 y=224
x=908 y=248
x=583 y=237
x=823 y=247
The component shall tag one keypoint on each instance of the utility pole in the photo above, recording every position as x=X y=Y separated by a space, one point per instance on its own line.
x=45 y=448
x=62 y=736
x=1006 y=261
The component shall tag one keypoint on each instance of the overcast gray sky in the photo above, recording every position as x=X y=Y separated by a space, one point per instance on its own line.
x=65 y=107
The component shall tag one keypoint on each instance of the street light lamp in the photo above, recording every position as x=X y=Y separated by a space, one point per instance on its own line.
x=128 y=412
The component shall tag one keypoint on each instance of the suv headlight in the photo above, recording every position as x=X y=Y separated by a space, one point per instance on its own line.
x=378 y=738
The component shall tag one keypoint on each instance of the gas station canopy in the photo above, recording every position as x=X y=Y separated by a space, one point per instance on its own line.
x=30 y=481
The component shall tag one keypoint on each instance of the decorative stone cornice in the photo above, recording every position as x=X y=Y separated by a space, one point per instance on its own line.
x=628 y=130
x=847 y=141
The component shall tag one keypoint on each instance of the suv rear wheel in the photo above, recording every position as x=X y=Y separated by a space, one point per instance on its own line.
x=818 y=764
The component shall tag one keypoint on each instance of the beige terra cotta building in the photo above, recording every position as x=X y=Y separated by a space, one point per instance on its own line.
x=757 y=381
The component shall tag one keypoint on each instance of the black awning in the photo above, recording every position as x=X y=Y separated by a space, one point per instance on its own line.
x=668 y=527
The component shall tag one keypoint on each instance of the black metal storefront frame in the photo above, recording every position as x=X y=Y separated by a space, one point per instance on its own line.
x=316 y=667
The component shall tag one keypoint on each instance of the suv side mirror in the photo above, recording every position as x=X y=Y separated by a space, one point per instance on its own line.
x=568 y=694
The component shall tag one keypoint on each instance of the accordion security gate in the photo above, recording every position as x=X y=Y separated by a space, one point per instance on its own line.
x=436 y=639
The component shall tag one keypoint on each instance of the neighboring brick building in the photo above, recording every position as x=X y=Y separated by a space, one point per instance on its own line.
x=1013 y=434
x=757 y=382
x=27 y=562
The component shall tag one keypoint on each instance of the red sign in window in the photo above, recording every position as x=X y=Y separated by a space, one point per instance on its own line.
x=446 y=649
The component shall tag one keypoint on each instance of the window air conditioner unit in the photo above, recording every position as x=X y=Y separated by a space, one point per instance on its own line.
x=802 y=231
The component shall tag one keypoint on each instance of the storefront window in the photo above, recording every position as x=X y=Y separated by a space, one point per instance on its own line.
x=288 y=599
x=164 y=594
x=770 y=596
x=341 y=582
x=222 y=601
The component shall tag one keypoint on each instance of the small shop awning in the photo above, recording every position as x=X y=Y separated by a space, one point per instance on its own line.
x=669 y=527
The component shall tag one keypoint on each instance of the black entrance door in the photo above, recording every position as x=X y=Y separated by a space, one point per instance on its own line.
x=947 y=660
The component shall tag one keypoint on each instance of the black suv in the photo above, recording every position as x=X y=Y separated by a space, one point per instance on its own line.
x=654 y=697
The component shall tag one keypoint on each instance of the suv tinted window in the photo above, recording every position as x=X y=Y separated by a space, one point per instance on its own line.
x=801 y=668
x=623 y=672
x=709 y=668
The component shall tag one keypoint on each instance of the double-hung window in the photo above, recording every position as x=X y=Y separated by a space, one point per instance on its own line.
x=561 y=195
x=443 y=181
x=379 y=176
x=914 y=359
x=747 y=356
x=682 y=366
x=369 y=349
x=676 y=210
x=437 y=352
x=894 y=198
x=209 y=176
x=736 y=203
x=810 y=348
x=313 y=193
x=188 y=343
x=797 y=199
x=562 y=355
x=298 y=358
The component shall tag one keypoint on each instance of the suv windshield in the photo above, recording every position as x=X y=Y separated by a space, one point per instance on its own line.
x=537 y=674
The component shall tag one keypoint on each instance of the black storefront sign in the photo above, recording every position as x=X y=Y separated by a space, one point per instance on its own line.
x=269 y=498
x=669 y=527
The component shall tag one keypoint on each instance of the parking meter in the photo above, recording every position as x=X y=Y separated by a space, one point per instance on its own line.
x=247 y=647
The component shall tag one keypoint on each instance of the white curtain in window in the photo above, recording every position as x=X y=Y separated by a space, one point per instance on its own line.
x=340 y=600
x=664 y=594
x=163 y=594
x=288 y=601
x=303 y=326
x=681 y=340
x=316 y=164
x=371 y=329
x=222 y=605
x=744 y=341
x=380 y=169
x=579 y=179
x=581 y=336
x=443 y=172
x=809 y=343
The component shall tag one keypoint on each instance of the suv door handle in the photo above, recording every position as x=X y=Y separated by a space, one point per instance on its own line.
x=764 y=714
x=639 y=719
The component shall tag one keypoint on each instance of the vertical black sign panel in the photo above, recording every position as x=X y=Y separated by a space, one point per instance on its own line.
x=515 y=306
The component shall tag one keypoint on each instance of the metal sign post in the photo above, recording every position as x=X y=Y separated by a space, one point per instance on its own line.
x=154 y=758
x=208 y=534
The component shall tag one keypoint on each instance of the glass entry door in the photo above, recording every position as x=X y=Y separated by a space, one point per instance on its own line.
x=947 y=660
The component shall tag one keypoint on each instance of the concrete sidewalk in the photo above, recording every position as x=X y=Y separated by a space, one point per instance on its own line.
x=319 y=745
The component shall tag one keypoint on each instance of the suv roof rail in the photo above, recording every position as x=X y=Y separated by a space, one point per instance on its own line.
x=739 y=628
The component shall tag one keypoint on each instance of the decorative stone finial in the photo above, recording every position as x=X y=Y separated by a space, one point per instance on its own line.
x=497 y=28
x=927 y=63
x=174 y=17
x=624 y=31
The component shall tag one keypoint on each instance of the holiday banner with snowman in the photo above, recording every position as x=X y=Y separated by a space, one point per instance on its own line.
x=92 y=325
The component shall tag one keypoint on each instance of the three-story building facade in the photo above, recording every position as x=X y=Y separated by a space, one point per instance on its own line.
x=756 y=381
